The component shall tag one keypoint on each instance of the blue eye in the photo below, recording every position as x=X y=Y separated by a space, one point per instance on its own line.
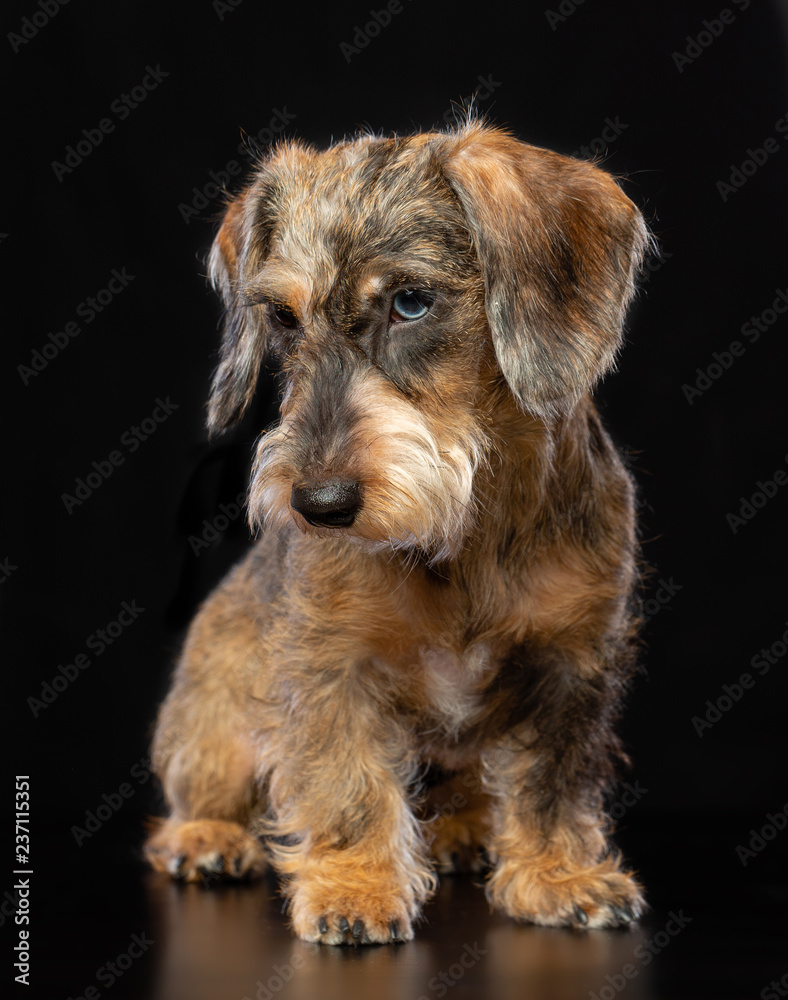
x=410 y=305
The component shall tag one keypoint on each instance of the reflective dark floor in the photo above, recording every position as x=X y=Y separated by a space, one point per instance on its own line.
x=716 y=929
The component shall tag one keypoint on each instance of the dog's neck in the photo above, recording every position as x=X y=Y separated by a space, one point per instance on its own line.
x=539 y=477
x=536 y=495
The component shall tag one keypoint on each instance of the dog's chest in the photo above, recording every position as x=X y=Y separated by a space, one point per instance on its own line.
x=452 y=682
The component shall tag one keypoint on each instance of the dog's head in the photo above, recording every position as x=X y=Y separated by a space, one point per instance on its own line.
x=403 y=283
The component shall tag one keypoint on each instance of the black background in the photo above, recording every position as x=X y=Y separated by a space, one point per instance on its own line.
x=228 y=71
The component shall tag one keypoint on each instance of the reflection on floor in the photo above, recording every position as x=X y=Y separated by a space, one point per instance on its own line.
x=716 y=929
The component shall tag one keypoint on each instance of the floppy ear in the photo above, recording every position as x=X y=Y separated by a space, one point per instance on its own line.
x=559 y=245
x=243 y=346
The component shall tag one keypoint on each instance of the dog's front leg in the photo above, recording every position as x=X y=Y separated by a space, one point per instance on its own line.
x=347 y=839
x=554 y=865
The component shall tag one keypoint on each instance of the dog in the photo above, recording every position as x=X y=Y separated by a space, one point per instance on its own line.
x=420 y=664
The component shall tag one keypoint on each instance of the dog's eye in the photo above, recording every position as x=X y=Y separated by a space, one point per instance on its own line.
x=410 y=305
x=285 y=317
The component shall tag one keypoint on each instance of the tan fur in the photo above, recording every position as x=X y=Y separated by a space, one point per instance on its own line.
x=204 y=848
x=458 y=823
x=443 y=578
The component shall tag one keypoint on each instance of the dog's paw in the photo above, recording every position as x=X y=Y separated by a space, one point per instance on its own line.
x=338 y=908
x=585 y=898
x=205 y=850
x=351 y=919
x=459 y=842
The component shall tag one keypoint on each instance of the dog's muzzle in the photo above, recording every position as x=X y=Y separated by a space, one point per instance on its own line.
x=330 y=505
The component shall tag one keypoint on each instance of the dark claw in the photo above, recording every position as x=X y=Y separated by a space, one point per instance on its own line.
x=455 y=860
x=237 y=866
x=581 y=916
x=485 y=857
x=394 y=929
x=623 y=914
x=180 y=863
x=214 y=869
x=344 y=926
x=358 y=929
x=322 y=925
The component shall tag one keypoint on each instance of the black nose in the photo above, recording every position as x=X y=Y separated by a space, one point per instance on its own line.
x=331 y=505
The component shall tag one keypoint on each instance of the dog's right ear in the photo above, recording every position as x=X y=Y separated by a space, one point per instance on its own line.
x=243 y=342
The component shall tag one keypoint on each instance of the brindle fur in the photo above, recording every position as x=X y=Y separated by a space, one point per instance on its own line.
x=474 y=621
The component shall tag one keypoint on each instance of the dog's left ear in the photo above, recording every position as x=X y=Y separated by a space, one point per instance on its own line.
x=243 y=343
x=559 y=245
